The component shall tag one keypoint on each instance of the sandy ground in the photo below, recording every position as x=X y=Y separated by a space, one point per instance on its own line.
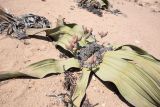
x=139 y=25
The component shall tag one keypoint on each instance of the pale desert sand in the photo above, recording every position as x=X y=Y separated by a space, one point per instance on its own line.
x=139 y=25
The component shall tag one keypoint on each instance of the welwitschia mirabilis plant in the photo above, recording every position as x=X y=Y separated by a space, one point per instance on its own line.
x=135 y=73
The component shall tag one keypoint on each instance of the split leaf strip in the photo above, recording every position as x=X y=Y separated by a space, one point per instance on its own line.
x=42 y=68
x=136 y=76
x=81 y=87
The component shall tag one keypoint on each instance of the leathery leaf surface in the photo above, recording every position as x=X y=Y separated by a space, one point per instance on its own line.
x=135 y=73
x=80 y=90
x=42 y=68
x=63 y=35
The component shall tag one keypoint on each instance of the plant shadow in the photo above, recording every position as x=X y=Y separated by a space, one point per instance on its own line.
x=85 y=97
x=111 y=86
x=45 y=38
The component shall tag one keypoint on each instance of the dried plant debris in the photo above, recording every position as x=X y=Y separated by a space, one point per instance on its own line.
x=35 y=21
x=70 y=81
x=60 y=98
x=16 y=26
x=87 y=103
x=69 y=86
x=66 y=99
x=92 y=6
x=97 y=6
x=91 y=55
x=103 y=34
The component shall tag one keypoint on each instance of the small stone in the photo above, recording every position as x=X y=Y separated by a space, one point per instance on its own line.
x=72 y=7
x=137 y=41
x=94 y=78
x=103 y=105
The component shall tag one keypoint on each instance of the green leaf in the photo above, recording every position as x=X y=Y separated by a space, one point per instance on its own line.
x=80 y=90
x=63 y=35
x=135 y=73
x=142 y=59
x=103 y=3
x=42 y=68
x=37 y=31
